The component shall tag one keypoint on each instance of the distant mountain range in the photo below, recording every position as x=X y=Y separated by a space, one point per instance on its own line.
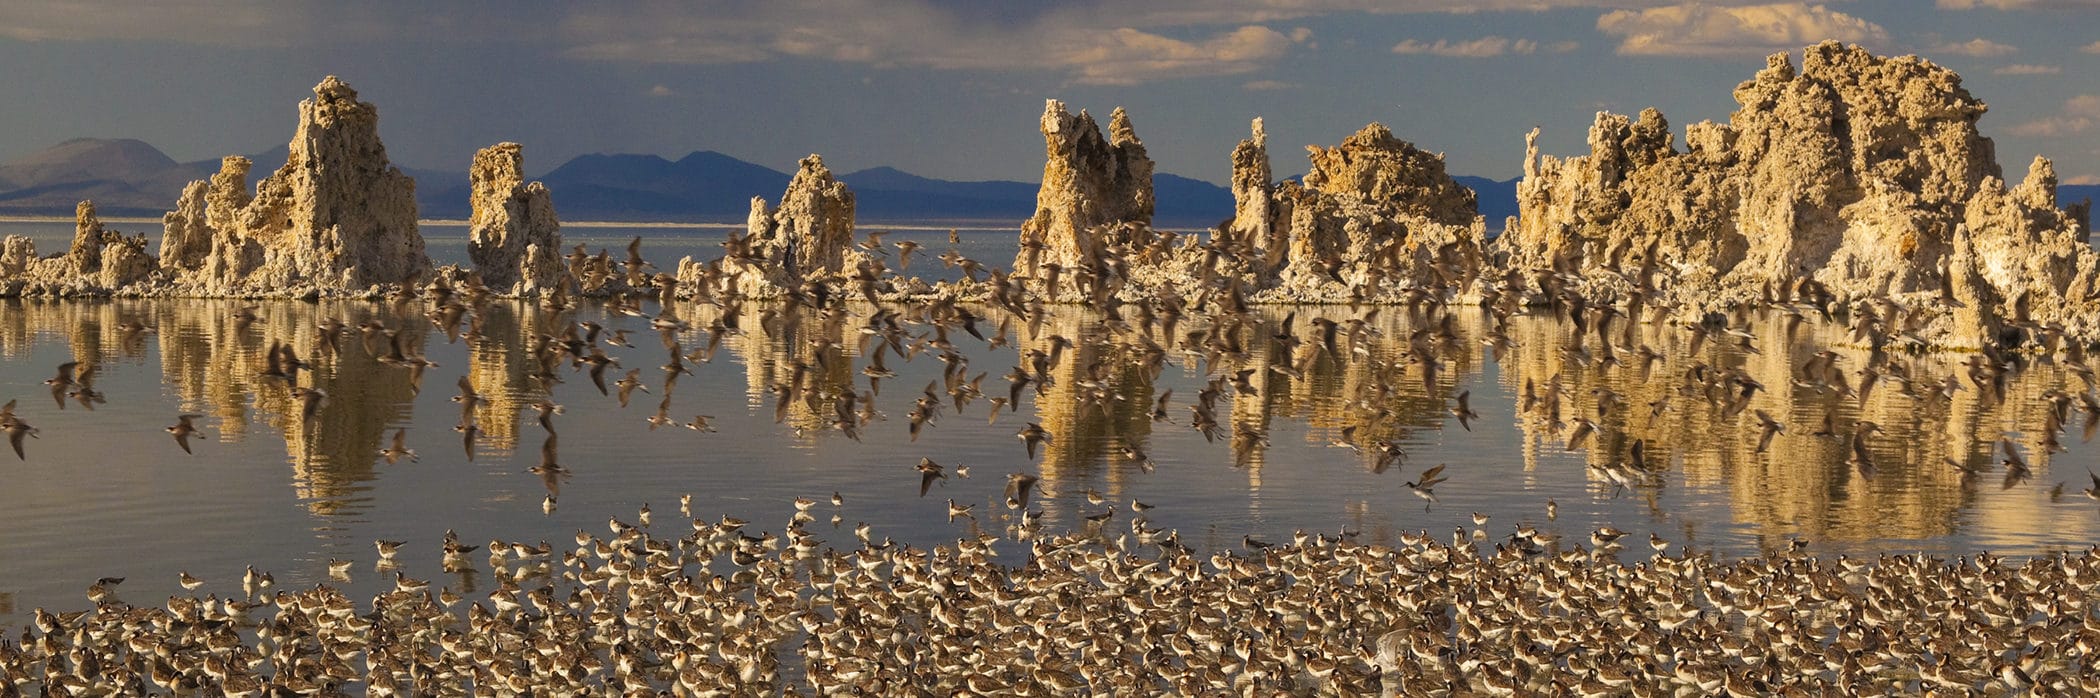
x=127 y=177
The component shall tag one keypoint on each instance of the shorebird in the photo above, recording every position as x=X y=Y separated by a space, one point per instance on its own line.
x=1859 y=457
x=928 y=472
x=468 y=398
x=1032 y=435
x=1767 y=426
x=183 y=428
x=469 y=432
x=310 y=401
x=1464 y=411
x=1389 y=454
x=16 y=430
x=1018 y=487
x=61 y=382
x=1425 y=485
x=388 y=548
x=1583 y=429
x=2015 y=466
x=629 y=384
x=398 y=449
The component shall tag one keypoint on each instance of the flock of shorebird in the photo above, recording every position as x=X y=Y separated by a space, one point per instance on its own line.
x=713 y=610
x=1105 y=611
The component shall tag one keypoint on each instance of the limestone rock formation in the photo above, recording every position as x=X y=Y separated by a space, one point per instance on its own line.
x=100 y=258
x=1854 y=173
x=88 y=239
x=98 y=262
x=804 y=238
x=188 y=243
x=1371 y=209
x=16 y=254
x=1096 y=191
x=814 y=224
x=513 y=236
x=337 y=217
x=1253 y=230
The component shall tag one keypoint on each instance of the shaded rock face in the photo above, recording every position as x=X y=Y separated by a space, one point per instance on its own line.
x=805 y=238
x=336 y=217
x=1855 y=172
x=1092 y=187
x=513 y=236
x=1371 y=209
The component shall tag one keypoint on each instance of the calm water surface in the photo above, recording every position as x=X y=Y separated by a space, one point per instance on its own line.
x=106 y=492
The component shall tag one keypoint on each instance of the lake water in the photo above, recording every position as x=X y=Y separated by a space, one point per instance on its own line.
x=106 y=492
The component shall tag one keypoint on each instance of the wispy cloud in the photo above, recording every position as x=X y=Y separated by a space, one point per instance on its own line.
x=263 y=23
x=2028 y=69
x=1087 y=49
x=2016 y=4
x=1980 y=48
x=661 y=91
x=2090 y=48
x=1695 y=29
x=1483 y=47
x=2079 y=114
x=1267 y=85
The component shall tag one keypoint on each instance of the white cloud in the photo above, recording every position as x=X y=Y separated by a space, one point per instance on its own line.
x=1484 y=47
x=1563 y=46
x=1267 y=85
x=1703 y=30
x=2079 y=115
x=2091 y=48
x=661 y=91
x=2027 y=69
x=1980 y=48
x=1128 y=56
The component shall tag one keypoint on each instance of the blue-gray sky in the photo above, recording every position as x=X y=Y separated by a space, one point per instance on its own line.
x=953 y=88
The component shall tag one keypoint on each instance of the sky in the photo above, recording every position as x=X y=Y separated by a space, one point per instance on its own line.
x=954 y=88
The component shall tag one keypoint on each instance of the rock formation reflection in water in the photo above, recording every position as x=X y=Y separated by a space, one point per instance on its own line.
x=1667 y=406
